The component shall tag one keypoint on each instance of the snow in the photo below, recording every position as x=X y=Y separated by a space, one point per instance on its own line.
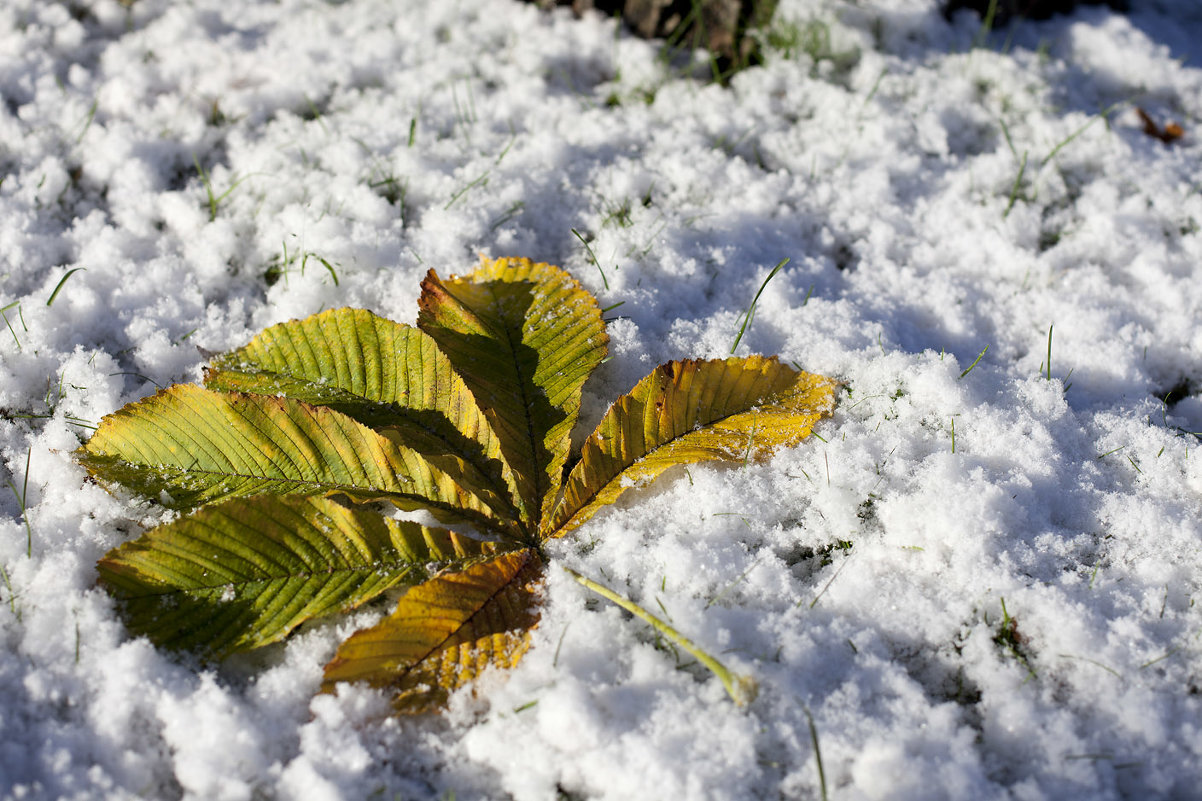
x=389 y=138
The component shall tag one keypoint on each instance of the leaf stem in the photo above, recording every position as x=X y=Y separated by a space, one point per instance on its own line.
x=742 y=689
x=214 y=199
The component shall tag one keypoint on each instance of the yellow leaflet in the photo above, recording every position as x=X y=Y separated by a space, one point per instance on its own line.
x=691 y=411
x=445 y=632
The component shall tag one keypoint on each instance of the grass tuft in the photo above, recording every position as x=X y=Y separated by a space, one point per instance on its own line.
x=281 y=266
x=214 y=200
x=1015 y=189
x=813 y=39
x=1011 y=641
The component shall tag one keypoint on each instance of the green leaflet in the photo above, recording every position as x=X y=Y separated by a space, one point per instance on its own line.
x=187 y=446
x=244 y=573
x=525 y=337
x=388 y=376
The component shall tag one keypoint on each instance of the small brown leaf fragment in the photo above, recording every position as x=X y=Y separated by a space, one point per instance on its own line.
x=1169 y=133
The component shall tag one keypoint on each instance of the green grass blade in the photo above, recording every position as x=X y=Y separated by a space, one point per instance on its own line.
x=750 y=313
x=592 y=256
x=58 y=288
x=817 y=756
x=980 y=356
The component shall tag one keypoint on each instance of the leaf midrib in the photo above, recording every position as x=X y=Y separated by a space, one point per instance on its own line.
x=404 y=569
x=491 y=523
x=342 y=487
x=586 y=500
x=526 y=557
x=540 y=477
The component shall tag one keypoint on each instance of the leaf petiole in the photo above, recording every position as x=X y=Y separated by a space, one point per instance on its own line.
x=742 y=689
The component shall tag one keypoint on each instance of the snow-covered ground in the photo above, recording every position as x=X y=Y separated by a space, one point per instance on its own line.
x=976 y=583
